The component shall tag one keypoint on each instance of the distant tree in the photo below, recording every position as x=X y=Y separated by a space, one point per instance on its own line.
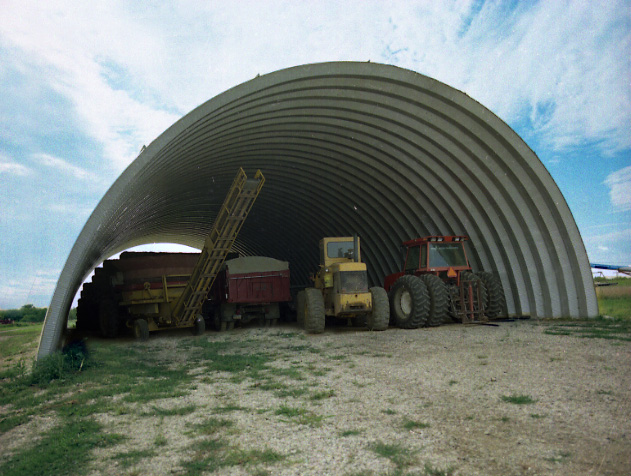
x=27 y=313
x=31 y=313
x=13 y=314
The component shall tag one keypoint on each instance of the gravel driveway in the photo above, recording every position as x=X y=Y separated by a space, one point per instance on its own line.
x=462 y=400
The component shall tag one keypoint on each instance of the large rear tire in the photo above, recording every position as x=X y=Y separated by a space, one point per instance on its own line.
x=495 y=298
x=409 y=302
x=314 y=311
x=379 y=318
x=438 y=299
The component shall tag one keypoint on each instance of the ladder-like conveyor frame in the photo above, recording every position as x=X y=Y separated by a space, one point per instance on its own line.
x=230 y=218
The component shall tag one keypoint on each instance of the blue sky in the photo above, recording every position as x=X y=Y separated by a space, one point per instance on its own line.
x=84 y=85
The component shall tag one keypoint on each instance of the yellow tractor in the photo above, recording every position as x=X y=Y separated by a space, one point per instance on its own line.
x=341 y=290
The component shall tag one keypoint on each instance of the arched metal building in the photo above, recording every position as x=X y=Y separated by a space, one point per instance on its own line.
x=347 y=148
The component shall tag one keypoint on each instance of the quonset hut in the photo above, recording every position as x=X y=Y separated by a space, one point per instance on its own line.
x=347 y=148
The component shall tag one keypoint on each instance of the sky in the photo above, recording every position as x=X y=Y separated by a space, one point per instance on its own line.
x=84 y=85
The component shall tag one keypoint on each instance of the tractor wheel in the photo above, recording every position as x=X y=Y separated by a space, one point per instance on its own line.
x=438 y=299
x=199 y=326
x=314 y=311
x=409 y=302
x=108 y=318
x=379 y=318
x=226 y=316
x=141 y=330
x=300 y=309
x=273 y=312
x=453 y=293
x=495 y=298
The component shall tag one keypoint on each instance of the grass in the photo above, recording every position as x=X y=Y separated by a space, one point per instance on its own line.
x=212 y=455
x=50 y=454
x=73 y=386
x=301 y=416
x=177 y=411
x=615 y=299
x=430 y=470
x=414 y=425
x=211 y=426
x=600 y=328
x=559 y=457
x=518 y=399
x=399 y=455
x=323 y=395
x=127 y=459
x=19 y=341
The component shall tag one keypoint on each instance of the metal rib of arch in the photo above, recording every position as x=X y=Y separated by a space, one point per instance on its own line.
x=347 y=148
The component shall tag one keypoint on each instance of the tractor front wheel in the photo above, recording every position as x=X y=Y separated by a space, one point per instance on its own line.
x=409 y=302
x=199 y=326
x=141 y=330
x=300 y=309
x=314 y=313
x=379 y=318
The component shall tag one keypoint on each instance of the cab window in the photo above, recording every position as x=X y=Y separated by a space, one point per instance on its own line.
x=411 y=263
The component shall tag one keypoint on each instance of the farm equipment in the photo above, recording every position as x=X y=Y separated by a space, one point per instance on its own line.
x=247 y=288
x=151 y=293
x=341 y=290
x=437 y=281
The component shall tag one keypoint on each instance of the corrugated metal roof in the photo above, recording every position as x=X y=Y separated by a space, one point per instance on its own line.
x=347 y=148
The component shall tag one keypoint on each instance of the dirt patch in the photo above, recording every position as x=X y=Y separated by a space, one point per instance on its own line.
x=476 y=400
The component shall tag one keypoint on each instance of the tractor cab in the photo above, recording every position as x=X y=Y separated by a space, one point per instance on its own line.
x=340 y=266
x=444 y=256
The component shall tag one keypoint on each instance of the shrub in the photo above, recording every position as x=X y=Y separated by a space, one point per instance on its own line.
x=59 y=365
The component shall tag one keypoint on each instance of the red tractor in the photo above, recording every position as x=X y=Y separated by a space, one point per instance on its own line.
x=437 y=282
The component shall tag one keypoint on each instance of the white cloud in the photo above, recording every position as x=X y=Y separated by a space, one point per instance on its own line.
x=35 y=289
x=613 y=247
x=619 y=184
x=63 y=166
x=131 y=70
x=13 y=168
x=564 y=65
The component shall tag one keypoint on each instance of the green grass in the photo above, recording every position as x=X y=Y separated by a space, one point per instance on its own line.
x=430 y=470
x=559 y=457
x=72 y=387
x=399 y=455
x=50 y=455
x=19 y=340
x=414 y=425
x=518 y=399
x=212 y=455
x=177 y=411
x=130 y=458
x=211 y=426
x=323 y=395
x=301 y=416
x=611 y=329
x=615 y=299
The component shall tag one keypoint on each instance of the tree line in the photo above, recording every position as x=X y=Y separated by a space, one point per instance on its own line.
x=27 y=313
